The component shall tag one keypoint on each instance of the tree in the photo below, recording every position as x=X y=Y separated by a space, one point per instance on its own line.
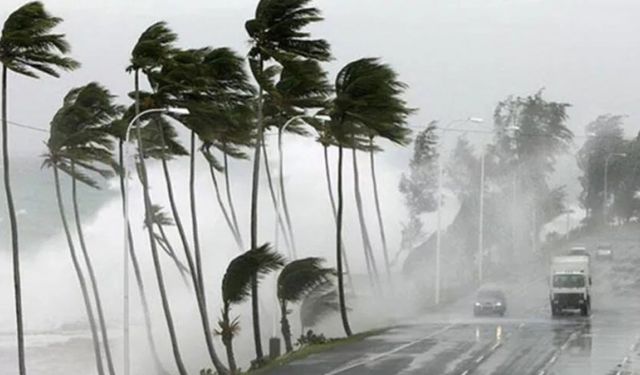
x=79 y=144
x=420 y=184
x=606 y=138
x=28 y=48
x=276 y=33
x=236 y=288
x=152 y=48
x=366 y=98
x=296 y=280
x=530 y=133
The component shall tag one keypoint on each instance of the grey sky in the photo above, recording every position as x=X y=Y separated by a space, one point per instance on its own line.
x=460 y=57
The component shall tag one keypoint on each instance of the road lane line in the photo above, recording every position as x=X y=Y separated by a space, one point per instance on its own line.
x=479 y=359
x=385 y=354
x=465 y=373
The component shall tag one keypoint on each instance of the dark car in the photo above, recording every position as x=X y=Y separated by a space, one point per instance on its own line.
x=490 y=301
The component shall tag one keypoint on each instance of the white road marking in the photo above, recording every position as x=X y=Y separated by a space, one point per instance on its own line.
x=385 y=354
x=465 y=373
x=479 y=359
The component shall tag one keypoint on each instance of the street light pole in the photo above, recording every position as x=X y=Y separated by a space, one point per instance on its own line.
x=125 y=172
x=481 y=220
x=439 y=202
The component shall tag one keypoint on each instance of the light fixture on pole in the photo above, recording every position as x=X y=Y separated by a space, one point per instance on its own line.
x=439 y=202
x=125 y=172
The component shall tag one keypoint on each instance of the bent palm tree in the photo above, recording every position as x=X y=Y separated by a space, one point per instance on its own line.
x=367 y=97
x=295 y=282
x=276 y=32
x=236 y=288
x=27 y=47
x=153 y=47
x=78 y=140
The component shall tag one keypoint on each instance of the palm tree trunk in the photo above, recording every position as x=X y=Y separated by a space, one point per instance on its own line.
x=92 y=276
x=15 y=249
x=343 y=306
x=274 y=200
x=81 y=280
x=138 y=275
x=285 y=327
x=194 y=214
x=224 y=211
x=383 y=237
x=232 y=209
x=284 y=195
x=327 y=171
x=227 y=340
x=156 y=260
x=371 y=263
x=200 y=297
x=255 y=305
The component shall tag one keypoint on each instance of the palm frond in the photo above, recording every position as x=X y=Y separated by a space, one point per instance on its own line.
x=28 y=47
x=236 y=284
x=154 y=45
x=302 y=276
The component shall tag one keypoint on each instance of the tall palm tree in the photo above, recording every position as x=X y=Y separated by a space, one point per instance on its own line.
x=367 y=96
x=276 y=33
x=88 y=110
x=296 y=280
x=79 y=144
x=236 y=288
x=153 y=47
x=326 y=140
x=27 y=47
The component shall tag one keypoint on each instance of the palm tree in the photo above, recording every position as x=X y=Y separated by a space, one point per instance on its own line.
x=152 y=49
x=276 y=32
x=367 y=97
x=118 y=130
x=236 y=288
x=318 y=304
x=27 y=47
x=326 y=140
x=79 y=144
x=295 y=282
x=90 y=108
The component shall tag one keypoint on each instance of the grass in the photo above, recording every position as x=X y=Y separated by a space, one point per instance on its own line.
x=308 y=350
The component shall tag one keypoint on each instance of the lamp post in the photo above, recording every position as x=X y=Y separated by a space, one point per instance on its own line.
x=439 y=201
x=606 y=176
x=125 y=172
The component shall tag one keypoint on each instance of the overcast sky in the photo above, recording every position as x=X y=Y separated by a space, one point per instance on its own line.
x=459 y=56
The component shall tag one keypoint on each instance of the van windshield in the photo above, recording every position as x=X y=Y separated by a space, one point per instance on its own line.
x=568 y=281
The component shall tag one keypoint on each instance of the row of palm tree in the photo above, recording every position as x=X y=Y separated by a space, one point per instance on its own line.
x=227 y=115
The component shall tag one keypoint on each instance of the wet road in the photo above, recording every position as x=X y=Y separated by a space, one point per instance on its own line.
x=526 y=341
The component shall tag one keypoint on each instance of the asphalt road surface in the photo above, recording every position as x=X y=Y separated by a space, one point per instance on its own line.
x=526 y=341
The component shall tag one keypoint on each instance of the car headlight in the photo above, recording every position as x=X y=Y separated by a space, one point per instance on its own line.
x=498 y=304
x=478 y=304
